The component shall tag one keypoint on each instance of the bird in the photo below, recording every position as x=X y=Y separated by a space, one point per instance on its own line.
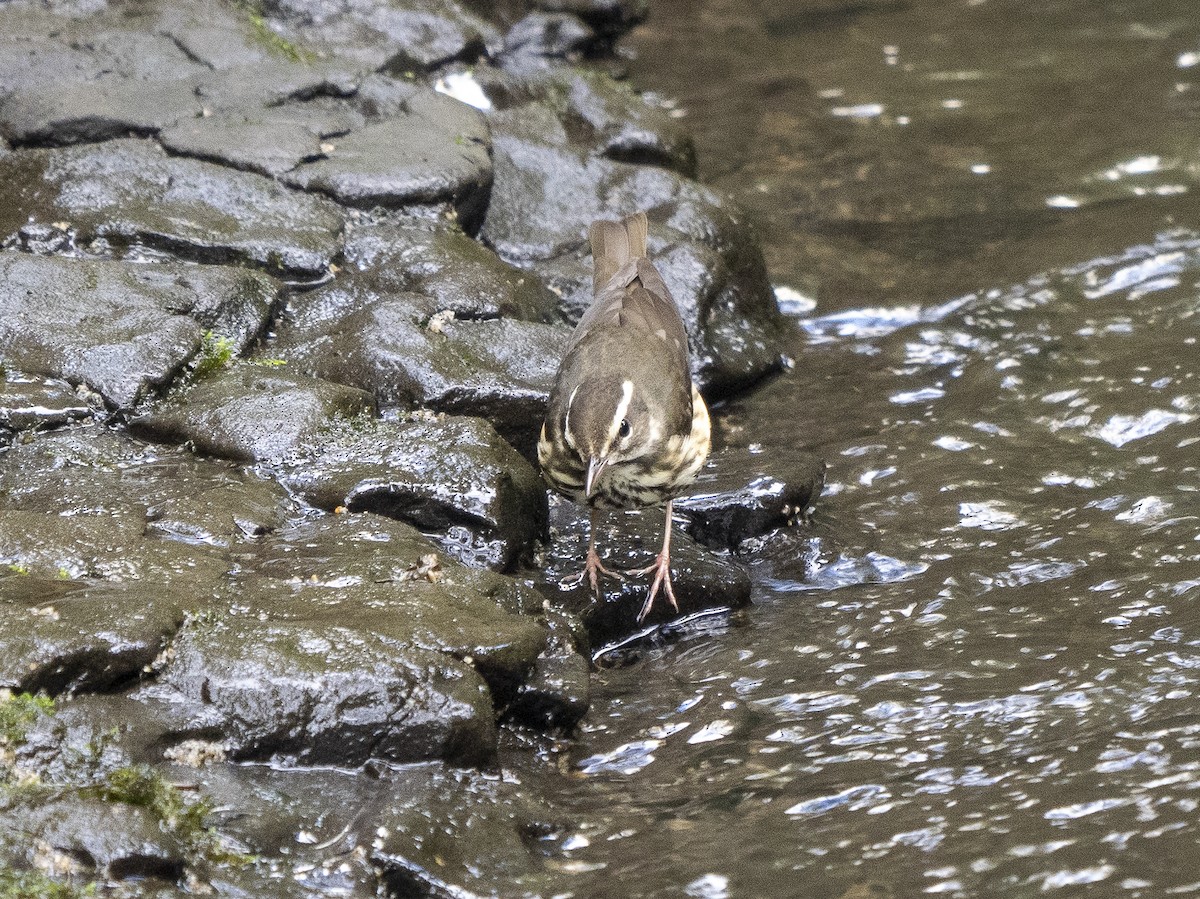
x=625 y=426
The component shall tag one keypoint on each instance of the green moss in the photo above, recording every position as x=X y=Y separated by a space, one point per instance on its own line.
x=34 y=885
x=142 y=786
x=216 y=352
x=276 y=43
x=17 y=714
x=17 y=568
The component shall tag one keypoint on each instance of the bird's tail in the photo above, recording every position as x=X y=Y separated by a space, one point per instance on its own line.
x=614 y=244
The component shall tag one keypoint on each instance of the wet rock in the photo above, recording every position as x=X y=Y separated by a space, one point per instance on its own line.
x=87 y=837
x=382 y=571
x=610 y=16
x=542 y=37
x=445 y=833
x=124 y=195
x=324 y=694
x=740 y=495
x=252 y=413
x=121 y=330
x=438 y=151
x=597 y=114
x=401 y=349
x=136 y=513
x=60 y=636
x=459 y=274
x=87 y=738
x=626 y=541
x=396 y=37
x=28 y=403
x=71 y=113
x=455 y=480
x=547 y=193
x=40 y=48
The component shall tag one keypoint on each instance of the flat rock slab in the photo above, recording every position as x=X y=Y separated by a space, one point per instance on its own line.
x=124 y=195
x=459 y=274
x=399 y=348
x=740 y=495
x=62 y=636
x=453 y=479
x=29 y=402
x=630 y=540
x=435 y=150
x=252 y=413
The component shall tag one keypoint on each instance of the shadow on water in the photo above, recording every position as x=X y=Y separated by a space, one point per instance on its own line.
x=975 y=673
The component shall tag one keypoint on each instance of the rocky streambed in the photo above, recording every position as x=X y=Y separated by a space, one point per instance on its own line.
x=278 y=318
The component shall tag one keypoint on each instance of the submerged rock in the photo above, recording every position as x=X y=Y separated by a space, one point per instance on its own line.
x=628 y=541
x=62 y=636
x=28 y=402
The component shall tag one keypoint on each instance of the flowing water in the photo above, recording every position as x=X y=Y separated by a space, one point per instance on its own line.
x=977 y=671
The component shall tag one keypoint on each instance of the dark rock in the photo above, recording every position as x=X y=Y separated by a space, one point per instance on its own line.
x=124 y=195
x=351 y=567
x=252 y=413
x=631 y=540
x=398 y=347
x=28 y=403
x=88 y=837
x=548 y=36
x=455 y=480
x=547 y=193
x=87 y=738
x=60 y=636
x=86 y=503
x=41 y=49
x=461 y=275
x=324 y=694
x=740 y=495
x=93 y=323
x=442 y=833
x=397 y=37
x=611 y=16
x=122 y=330
x=597 y=114
x=439 y=152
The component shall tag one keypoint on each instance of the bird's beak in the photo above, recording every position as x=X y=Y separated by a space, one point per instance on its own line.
x=595 y=466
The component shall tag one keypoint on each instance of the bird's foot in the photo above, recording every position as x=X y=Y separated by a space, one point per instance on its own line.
x=661 y=567
x=592 y=571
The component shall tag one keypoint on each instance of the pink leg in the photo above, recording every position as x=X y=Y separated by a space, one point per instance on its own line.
x=661 y=566
x=593 y=568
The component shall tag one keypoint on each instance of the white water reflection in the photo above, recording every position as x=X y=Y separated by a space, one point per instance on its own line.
x=1122 y=429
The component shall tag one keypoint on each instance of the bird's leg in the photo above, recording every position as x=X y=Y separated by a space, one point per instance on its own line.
x=661 y=566
x=593 y=568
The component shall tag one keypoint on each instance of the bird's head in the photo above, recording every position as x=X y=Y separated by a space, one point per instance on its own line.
x=608 y=421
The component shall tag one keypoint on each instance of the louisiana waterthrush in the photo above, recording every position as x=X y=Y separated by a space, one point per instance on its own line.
x=625 y=426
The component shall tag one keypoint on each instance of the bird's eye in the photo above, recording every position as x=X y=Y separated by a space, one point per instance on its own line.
x=623 y=430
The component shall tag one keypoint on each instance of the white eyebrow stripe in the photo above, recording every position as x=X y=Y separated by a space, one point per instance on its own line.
x=619 y=415
x=567 y=418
